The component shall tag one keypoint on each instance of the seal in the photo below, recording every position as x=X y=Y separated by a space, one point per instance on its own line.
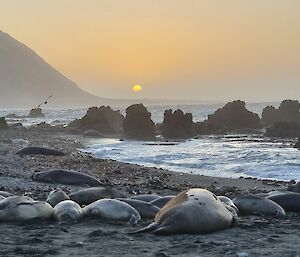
x=67 y=210
x=146 y=197
x=23 y=208
x=289 y=201
x=35 y=150
x=195 y=211
x=146 y=210
x=255 y=205
x=162 y=201
x=56 y=196
x=294 y=187
x=92 y=194
x=5 y=194
x=68 y=177
x=228 y=202
x=112 y=210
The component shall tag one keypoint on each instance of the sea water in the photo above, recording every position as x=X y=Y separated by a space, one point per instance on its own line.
x=221 y=156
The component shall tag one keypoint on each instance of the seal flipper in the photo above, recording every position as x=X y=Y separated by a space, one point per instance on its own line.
x=151 y=227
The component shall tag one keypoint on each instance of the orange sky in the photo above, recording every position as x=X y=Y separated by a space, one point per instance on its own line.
x=207 y=50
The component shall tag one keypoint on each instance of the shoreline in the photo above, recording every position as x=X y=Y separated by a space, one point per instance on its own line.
x=252 y=236
x=130 y=178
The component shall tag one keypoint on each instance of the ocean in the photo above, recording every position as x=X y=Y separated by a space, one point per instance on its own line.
x=222 y=156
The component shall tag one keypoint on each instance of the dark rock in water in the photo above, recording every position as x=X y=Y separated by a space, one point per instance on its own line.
x=137 y=123
x=102 y=119
x=288 y=111
x=178 y=125
x=232 y=116
x=36 y=113
x=3 y=124
x=35 y=150
x=284 y=130
x=67 y=177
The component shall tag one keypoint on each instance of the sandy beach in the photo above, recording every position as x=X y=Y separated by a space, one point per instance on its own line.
x=252 y=236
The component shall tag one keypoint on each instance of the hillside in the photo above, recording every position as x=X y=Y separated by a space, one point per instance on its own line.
x=26 y=80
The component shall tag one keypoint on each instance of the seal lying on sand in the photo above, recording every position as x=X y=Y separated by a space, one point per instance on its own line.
x=146 y=210
x=112 y=209
x=89 y=195
x=146 y=197
x=162 y=201
x=228 y=202
x=22 y=208
x=34 y=150
x=67 y=211
x=5 y=194
x=289 y=201
x=294 y=187
x=195 y=211
x=252 y=204
x=56 y=196
x=68 y=177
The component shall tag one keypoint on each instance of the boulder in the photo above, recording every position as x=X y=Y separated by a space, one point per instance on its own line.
x=3 y=124
x=233 y=116
x=178 y=125
x=103 y=120
x=288 y=111
x=36 y=113
x=284 y=129
x=138 y=124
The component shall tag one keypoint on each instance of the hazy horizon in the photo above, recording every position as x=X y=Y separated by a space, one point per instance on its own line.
x=178 y=50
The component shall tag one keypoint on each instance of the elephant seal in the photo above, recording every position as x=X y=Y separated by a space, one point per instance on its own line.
x=68 y=177
x=146 y=210
x=194 y=211
x=56 y=196
x=35 y=150
x=89 y=195
x=294 y=187
x=146 y=197
x=228 y=202
x=162 y=201
x=289 y=201
x=23 y=208
x=255 y=205
x=113 y=210
x=67 y=210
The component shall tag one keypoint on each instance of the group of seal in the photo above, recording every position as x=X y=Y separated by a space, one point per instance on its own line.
x=194 y=211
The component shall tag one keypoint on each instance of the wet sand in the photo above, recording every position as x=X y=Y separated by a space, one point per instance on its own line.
x=252 y=236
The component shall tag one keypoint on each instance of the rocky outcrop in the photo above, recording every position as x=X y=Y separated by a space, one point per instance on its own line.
x=103 y=119
x=137 y=123
x=233 y=116
x=178 y=125
x=36 y=113
x=288 y=111
x=3 y=124
x=284 y=130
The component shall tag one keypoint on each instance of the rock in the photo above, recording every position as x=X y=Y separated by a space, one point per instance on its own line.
x=233 y=116
x=36 y=113
x=3 y=124
x=137 y=123
x=284 y=129
x=103 y=120
x=288 y=111
x=178 y=125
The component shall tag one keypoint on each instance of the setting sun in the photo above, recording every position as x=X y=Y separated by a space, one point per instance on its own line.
x=137 y=88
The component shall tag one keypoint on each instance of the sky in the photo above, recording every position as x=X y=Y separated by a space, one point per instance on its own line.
x=210 y=50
